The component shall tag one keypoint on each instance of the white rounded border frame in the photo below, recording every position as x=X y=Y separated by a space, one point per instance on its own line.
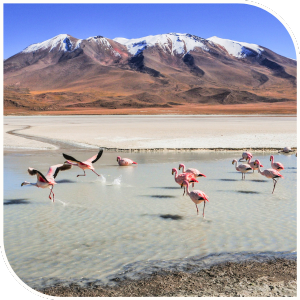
x=30 y=289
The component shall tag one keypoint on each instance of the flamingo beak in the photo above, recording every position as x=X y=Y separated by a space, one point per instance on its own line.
x=172 y=172
x=201 y=175
x=261 y=165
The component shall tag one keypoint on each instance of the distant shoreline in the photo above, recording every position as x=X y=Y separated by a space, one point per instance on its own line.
x=151 y=133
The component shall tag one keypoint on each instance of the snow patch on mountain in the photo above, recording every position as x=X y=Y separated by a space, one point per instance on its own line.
x=102 y=41
x=237 y=49
x=173 y=43
x=61 y=40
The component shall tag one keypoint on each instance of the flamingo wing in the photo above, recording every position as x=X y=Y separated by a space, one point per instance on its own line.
x=94 y=158
x=40 y=176
x=202 y=196
x=280 y=165
x=68 y=157
x=53 y=170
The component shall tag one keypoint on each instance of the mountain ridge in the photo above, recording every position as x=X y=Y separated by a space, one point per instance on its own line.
x=165 y=66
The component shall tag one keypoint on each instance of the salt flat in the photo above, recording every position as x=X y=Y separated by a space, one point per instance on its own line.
x=156 y=131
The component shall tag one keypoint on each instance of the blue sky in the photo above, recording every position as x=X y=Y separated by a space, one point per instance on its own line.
x=26 y=24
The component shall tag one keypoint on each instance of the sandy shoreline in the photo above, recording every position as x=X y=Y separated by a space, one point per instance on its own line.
x=154 y=133
x=249 y=279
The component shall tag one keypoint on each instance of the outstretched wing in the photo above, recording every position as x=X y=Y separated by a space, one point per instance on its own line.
x=96 y=157
x=40 y=176
x=53 y=170
x=68 y=157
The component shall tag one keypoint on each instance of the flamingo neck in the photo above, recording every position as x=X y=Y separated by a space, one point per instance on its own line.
x=272 y=159
x=183 y=168
x=188 y=189
x=176 y=173
x=29 y=183
x=259 y=171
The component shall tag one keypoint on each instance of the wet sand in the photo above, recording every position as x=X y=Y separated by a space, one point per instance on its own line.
x=154 y=132
x=274 y=278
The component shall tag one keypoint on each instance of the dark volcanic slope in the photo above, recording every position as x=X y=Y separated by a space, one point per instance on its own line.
x=105 y=73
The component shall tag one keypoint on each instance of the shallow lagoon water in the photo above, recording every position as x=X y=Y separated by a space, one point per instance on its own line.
x=133 y=216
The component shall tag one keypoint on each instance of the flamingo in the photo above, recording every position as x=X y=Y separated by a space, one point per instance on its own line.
x=244 y=168
x=269 y=173
x=85 y=164
x=190 y=177
x=191 y=170
x=196 y=196
x=125 y=161
x=252 y=164
x=276 y=165
x=286 y=150
x=48 y=180
x=245 y=156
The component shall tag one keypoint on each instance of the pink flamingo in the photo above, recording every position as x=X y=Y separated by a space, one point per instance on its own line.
x=191 y=170
x=269 y=173
x=125 y=161
x=244 y=168
x=48 y=180
x=245 y=156
x=190 y=177
x=84 y=164
x=252 y=164
x=276 y=165
x=196 y=196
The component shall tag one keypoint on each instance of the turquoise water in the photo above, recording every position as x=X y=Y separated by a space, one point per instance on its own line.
x=98 y=226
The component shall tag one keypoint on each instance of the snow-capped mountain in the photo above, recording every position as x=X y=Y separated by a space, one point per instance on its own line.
x=156 y=68
x=63 y=42
x=171 y=43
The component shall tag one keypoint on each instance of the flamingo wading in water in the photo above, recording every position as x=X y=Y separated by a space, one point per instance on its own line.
x=48 y=180
x=269 y=173
x=246 y=156
x=191 y=170
x=276 y=165
x=88 y=164
x=179 y=178
x=252 y=164
x=243 y=168
x=196 y=196
x=125 y=161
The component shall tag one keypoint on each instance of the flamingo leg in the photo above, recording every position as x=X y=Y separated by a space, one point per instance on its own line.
x=275 y=181
x=197 y=209
x=96 y=173
x=82 y=175
x=52 y=194
x=51 y=191
x=183 y=191
x=193 y=184
x=203 y=209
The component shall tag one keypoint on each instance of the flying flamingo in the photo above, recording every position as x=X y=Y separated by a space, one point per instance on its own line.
x=190 y=177
x=125 y=161
x=48 y=180
x=83 y=164
x=269 y=173
x=196 y=196
x=245 y=156
x=244 y=168
x=252 y=164
x=276 y=165
x=191 y=170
